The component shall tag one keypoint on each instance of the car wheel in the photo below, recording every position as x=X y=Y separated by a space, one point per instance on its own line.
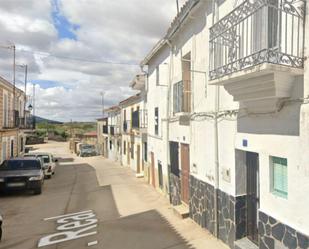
x=49 y=176
x=38 y=191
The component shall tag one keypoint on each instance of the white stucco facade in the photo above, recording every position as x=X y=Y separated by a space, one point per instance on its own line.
x=262 y=110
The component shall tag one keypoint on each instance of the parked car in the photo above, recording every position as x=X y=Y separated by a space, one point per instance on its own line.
x=1 y=221
x=22 y=173
x=49 y=162
x=87 y=150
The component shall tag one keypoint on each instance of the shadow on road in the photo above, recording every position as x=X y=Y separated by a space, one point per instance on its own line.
x=139 y=231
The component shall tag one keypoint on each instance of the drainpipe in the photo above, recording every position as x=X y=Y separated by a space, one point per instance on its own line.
x=216 y=134
x=170 y=77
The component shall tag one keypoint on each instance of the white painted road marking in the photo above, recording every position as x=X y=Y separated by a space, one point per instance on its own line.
x=85 y=220
x=67 y=215
x=93 y=243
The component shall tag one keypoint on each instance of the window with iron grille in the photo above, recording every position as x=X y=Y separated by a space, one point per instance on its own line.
x=156 y=111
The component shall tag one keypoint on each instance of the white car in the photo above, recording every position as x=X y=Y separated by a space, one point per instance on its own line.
x=49 y=162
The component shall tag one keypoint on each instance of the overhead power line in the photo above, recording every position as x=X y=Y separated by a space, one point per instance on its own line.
x=73 y=58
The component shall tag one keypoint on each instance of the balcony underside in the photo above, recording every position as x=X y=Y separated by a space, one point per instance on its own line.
x=260 y=88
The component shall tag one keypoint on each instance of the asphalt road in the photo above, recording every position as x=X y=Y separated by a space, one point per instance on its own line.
x=74 y=188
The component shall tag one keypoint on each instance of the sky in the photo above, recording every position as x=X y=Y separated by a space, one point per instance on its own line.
x=79 y=50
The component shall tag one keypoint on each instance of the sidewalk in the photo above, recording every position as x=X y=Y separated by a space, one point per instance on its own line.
x=133 y=196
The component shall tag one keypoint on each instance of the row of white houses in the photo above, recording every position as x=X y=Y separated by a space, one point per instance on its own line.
x=221 y=121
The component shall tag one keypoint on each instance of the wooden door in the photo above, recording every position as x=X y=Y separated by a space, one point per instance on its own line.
x=153 y=177
x=252 y=195
x=185 y=172
x=138 y=158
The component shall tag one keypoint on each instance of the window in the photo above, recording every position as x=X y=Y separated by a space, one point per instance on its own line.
x=156 y=121
x=279 y=174
x=124 y=148
x=110 y=144
x=158 y=75
x=177 y=96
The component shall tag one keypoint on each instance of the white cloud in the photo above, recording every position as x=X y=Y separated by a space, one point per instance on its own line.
x=121 y=30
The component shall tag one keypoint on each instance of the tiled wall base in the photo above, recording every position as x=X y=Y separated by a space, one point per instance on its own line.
x=175 y=189
x=231 y=214
x=274 y=234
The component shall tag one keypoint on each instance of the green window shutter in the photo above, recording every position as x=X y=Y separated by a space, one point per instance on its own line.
x=280 y=177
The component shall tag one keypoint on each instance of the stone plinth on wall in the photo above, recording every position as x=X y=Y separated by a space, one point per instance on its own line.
x=274 y=234
x=175 y=188
x=231 y=211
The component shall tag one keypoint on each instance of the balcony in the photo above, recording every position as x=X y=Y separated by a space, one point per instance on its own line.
x=114 y=130
x=139 y=119
x=261 y=40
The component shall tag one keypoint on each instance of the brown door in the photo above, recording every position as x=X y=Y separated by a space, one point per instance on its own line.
x=153 y=178
x=138 y=158
x=128 y=153
x=185 y=172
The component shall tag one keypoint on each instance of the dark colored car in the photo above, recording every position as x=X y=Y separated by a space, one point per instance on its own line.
x=87 y=150
x=22 y=173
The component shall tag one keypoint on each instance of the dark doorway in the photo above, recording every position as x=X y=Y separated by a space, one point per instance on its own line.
x=12 y=148
x=153 y=178
x=160 y=175
x=252 y=162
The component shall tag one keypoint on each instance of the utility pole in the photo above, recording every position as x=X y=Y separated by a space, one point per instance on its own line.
x=26 y=78
x=14 y=76
x=33 y=101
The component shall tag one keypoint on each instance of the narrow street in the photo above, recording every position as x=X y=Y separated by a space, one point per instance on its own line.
x=129 y=213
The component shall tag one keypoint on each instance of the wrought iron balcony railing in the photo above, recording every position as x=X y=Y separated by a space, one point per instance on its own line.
x=256 y=32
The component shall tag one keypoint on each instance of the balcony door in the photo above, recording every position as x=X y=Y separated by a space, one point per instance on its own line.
x=265 y=30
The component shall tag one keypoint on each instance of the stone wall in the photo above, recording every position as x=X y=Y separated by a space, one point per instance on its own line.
x=231 y=211
x=274 y=234
x=226 y=210
x=175 y=189
x=202 y=204
x=240 y=217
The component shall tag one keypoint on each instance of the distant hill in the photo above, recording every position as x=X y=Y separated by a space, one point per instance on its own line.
x=39 y=120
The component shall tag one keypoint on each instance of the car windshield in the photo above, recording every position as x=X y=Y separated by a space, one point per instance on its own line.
x=45 y=158
x=20 y=165
x=29 y=155
x=87 y=147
